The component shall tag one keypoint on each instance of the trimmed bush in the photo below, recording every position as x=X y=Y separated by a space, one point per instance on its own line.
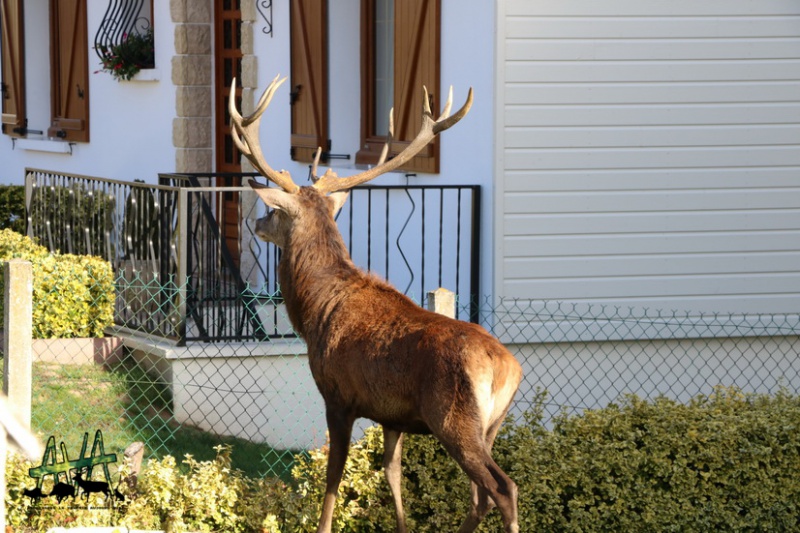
x=202 y=496
x=73 y=295
x=724 y=462
x=12 y=208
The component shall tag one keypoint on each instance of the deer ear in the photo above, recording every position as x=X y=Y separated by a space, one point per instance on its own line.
x=276 y=198
x=339 y=198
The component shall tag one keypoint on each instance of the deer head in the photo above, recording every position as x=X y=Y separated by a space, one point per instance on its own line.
x=285 y=201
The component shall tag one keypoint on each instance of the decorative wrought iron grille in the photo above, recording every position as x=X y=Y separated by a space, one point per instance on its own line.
x=122 y=18
x=265 y=10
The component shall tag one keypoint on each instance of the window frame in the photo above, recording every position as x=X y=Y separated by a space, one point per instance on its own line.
x=371 y=143
x=408 y=93
x=417 y=27
x=13 y=111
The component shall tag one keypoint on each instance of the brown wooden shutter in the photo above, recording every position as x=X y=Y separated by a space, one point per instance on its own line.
x=14 y=121
x=70 y=70
x=309 y=78
x=417 y=40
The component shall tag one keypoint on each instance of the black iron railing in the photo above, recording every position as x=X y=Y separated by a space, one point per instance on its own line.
x=122 y=19
x=132 y=225
x=417 y=237
x=190 y=267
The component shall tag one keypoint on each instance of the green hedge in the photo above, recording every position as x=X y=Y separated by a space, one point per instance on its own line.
x=724 y=462
x=12 y=208
x=720 y=463
x=73 y=295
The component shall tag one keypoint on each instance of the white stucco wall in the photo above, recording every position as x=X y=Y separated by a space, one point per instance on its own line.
x=265 y=393
x=130 y=122
x=467 y=60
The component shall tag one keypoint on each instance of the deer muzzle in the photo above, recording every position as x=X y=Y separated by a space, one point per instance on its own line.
x=268 y=229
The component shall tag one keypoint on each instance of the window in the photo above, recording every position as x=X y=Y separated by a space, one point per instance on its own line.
x=68 y=75
x=401 y=57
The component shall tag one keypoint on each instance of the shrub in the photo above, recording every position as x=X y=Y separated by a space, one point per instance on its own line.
x=721 y=462
x=435 y=490
x=726 y=461
x=73 y=296
x=206 y=496
x=12 y=208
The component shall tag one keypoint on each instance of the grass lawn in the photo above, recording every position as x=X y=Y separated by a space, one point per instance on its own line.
x=128 y=406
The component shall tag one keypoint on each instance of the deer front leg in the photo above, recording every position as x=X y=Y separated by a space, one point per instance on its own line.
x=392 y=468
x=340 y=427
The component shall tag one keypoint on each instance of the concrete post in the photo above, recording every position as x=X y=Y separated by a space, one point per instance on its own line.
x=11 y=431
x=443 y=302
x=17 y=339
x=15 y=415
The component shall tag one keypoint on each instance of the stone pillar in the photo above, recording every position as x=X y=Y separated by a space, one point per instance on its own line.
x=249 y=79
x=249 y=83
x=192 y=76
x=17 y=371
x=443 y=302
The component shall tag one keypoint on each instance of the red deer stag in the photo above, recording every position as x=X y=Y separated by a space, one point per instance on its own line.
x=373 y=352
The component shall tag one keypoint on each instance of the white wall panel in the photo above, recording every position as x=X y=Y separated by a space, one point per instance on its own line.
x=650 y=153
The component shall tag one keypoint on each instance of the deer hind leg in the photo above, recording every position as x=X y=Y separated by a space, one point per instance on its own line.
x=472 y=451
x=481 y=502
x=480 y=505
x=340 y=428
x=490 y=482
x=392 y=469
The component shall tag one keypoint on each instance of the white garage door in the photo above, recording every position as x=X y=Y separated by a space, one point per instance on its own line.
x=650 y=153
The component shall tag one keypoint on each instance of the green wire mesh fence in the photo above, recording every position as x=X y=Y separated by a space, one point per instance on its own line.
x=587 y=356
x=259 y=396
x=195 y=348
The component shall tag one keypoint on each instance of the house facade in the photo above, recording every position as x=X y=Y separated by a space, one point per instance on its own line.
x=641 y=154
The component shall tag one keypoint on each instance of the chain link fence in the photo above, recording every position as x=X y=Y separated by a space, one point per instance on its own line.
x=260 y=397
x=587 y=356
x=196 y=348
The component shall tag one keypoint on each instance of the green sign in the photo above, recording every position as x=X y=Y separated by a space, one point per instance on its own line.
x=51 y=466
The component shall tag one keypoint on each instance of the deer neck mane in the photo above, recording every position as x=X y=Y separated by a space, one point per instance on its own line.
x=315 y=270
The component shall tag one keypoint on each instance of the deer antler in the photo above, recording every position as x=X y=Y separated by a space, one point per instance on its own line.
x=244 y=131
x=330 y=182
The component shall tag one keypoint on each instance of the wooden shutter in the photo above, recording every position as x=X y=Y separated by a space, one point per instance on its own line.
x=309 y=78
x=70 y=70
x=417 y=41
x=14 y=122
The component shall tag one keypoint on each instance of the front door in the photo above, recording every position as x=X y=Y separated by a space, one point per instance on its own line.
x=228 y=64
